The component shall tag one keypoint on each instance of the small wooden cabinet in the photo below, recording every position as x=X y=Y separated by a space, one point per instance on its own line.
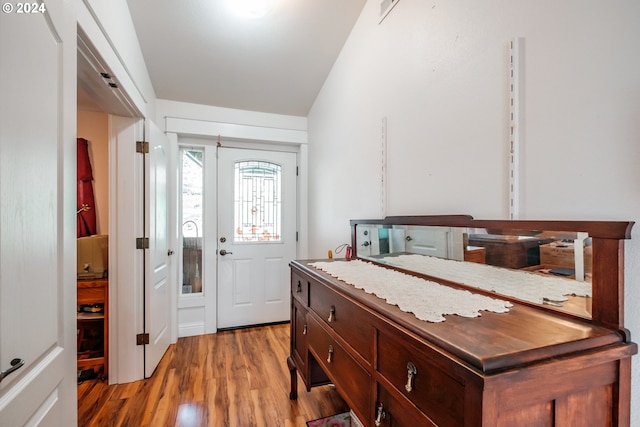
x=93 y=351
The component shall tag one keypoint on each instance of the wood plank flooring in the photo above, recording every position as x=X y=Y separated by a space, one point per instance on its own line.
x=232 y=379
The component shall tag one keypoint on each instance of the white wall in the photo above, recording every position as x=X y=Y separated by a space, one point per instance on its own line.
x=438 y=72
x=167 y=109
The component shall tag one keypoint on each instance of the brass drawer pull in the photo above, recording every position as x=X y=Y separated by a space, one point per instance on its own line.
x=330 y=356
x=304 y=329
x=332 y=314
x=381 y=415
x=299 y=289
x=411 y=373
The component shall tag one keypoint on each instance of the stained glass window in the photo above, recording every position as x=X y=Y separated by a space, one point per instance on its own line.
x=258 y=201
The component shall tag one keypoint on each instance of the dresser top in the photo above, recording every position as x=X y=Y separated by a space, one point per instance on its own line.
x=492 y=342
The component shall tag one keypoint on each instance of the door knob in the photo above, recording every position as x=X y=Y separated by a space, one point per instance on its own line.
x=223 y=252
x=15 y=365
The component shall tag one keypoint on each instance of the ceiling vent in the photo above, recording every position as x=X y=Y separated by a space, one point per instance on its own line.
x=385 y=8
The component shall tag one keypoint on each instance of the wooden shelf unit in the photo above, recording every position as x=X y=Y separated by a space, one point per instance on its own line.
x=94 y=291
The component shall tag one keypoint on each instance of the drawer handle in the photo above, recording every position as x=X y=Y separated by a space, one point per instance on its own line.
x=332 y=314
x=411 y=373
x=382 y=414
x=304 y=329
x=299 y=289
x=330 y=356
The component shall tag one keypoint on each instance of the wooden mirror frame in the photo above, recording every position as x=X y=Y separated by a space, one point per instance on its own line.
x=607 y=245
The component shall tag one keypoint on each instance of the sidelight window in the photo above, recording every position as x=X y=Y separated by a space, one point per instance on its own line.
x=191 y=202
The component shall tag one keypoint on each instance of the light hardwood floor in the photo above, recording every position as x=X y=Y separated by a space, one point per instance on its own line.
x=233 y=379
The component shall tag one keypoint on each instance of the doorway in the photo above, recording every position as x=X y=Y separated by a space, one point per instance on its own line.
x=92 y=247
x=237 y=238
x=136 y=215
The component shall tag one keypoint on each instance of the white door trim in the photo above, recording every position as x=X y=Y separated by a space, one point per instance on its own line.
x=253 y=284
x=126 y=263
x=240 y=132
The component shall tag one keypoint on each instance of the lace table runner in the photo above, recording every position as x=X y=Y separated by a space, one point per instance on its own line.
x=427 y=300
x=520 y=284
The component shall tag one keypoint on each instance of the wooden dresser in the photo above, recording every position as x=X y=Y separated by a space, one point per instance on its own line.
x=529 y=367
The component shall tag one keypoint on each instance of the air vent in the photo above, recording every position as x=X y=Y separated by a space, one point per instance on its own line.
x=385 y=8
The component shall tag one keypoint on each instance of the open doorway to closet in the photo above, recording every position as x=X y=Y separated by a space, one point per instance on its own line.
x=238 y=225
x=99 y=100
x=92 y=217
x=136 y=294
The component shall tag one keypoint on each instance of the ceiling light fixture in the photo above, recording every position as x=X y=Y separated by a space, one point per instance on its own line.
x=251 y=8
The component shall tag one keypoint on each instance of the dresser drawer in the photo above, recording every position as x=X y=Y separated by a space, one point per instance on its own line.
x=351 y=379
x=299 y=336
x=398 y=412
x=346 y=318
x=300 y=288
x=421 y=376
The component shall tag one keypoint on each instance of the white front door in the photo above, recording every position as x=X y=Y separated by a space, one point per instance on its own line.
x=157 y=309
x=37 y=214
x=256 y=235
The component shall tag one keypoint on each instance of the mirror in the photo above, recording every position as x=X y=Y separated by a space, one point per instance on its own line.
x=545 y=267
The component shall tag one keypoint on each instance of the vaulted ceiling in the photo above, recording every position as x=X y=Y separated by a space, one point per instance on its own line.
x=198 y=51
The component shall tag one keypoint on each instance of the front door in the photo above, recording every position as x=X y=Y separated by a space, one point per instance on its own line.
x=256 y=235
x=37 y=214
x=157 y=309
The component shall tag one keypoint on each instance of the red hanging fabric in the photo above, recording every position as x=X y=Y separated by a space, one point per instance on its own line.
x=86 y=205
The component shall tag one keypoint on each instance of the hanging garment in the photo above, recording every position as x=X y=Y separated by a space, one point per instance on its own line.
x=86 y=206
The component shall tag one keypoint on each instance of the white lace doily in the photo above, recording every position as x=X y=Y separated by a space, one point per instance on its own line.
x=427 y=300
x=520 y=284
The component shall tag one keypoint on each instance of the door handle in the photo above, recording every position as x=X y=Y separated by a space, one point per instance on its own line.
x=223 y=252
x=15 y=365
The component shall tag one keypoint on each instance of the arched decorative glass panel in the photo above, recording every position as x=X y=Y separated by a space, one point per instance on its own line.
x=258 y=201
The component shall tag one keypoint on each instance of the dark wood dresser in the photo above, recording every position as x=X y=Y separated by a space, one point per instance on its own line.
x=532 y=366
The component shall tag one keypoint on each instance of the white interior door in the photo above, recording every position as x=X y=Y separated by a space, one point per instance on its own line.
x=37 y=215
x=157 y=287
x=256 y=235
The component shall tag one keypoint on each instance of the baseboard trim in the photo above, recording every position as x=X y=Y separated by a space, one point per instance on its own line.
x=259 y=325
x=190 y=329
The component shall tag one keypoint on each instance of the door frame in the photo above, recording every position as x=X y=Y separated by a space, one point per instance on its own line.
x=258 y=257
x=197 y=314
x=126 y=264
x=126 y=126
